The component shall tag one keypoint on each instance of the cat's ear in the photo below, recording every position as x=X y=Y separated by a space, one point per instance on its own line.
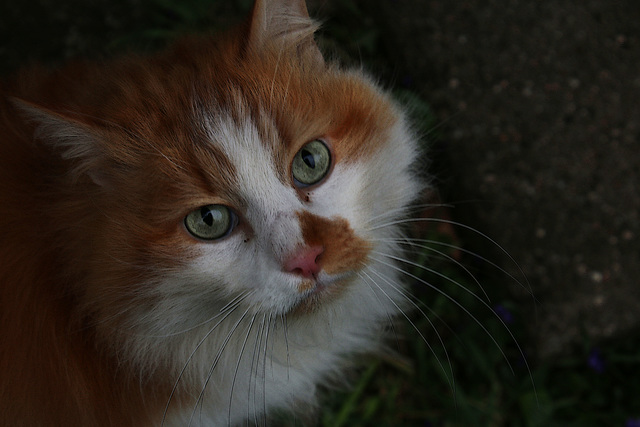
x=286 y=22
x=72 y=139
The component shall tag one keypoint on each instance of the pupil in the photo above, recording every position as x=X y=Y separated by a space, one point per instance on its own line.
x=207 y=217
x=308 y=158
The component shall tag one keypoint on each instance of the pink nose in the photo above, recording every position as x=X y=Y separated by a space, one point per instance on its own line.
x=305 y=263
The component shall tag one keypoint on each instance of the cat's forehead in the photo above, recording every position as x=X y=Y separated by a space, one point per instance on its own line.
x=285 y=108
x=258 y=161
x=300 y=103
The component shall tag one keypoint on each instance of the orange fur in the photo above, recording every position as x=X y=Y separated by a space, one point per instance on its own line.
x=52 y=372
x=342 y=248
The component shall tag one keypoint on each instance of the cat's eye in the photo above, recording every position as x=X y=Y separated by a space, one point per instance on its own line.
x=311 y=163
x=210 y=222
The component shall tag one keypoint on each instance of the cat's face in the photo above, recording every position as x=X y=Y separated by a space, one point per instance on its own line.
x=226 y=174
x=272 y=198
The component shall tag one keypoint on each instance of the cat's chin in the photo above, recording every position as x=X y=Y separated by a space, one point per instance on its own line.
x=319 y=291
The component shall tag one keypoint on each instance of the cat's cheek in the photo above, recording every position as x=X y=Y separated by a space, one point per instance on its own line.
x=234 y=268
x=212 y=260
x=338 y=196
x=385 y=184
x=395 y=176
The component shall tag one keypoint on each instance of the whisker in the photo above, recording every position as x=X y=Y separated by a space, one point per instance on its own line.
x=478 y=256
x=432 y=271
x=453 y=300
x=389 y=318
x=475 y=319
x=413 y=325
x=255 y=359
x=418 y=243
x=145 y=317
x=200 y=399
x=186 y=364
x=466 y=227
x=286 y=89
x=441 y=123
x=264 y=372
x=405 y=210
x=274 y=325
x=235 y=374
x=233 y=302
x=286 y=342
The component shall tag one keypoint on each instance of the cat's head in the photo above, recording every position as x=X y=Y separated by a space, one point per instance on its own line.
x=242 y=171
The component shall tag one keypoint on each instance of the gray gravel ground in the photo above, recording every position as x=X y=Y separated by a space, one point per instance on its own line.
x=540 y=102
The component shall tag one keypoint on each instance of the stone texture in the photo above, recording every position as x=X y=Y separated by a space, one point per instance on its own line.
x=540 y=106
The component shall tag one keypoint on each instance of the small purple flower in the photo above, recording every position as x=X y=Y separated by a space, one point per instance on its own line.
x=596 y=362
x=632 y=422
x=503 y=313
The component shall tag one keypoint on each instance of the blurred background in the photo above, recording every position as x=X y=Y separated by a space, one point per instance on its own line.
x=530 y=116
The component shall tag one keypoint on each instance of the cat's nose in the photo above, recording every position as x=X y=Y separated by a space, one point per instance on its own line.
x=306 y=262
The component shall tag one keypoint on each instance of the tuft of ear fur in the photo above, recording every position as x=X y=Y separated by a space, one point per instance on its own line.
x=287 y=23
x=74 y=140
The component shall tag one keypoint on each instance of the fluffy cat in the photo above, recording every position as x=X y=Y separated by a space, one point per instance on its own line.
x=197 y=237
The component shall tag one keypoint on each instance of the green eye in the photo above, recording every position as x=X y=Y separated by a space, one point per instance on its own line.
x=210 y=222
x=311 y=163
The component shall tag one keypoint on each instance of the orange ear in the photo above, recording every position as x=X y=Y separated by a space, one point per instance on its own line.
x=72 y=138
x=75 y=141
x=285 y=23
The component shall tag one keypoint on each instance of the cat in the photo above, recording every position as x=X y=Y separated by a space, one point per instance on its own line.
x=198 y=237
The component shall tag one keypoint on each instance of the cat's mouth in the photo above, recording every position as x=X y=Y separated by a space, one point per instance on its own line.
x=320 y=290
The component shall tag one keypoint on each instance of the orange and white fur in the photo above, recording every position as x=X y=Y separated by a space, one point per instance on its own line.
x=196 y=237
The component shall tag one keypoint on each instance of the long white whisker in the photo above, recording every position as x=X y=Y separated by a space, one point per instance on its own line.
x=286 y=342
x=215 y=363
x=235 y=373
x=454 y=301
x=391 y=323
x=413 y=243
x=513 y=338
x=393 y=213
x=466 y=227
x=483 y=259
x=413 y=325
x=432 y=271
x=255 y=359
x=264 y=371
x=229 y=310
x=417 y=303
x=286 y=89
x=493 y=242
x=220 y=313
